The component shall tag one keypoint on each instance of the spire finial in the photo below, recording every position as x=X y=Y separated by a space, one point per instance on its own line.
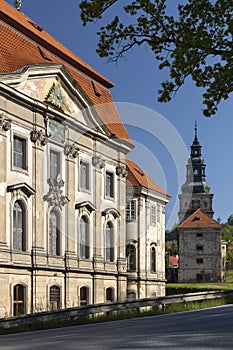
x=195 y=129
x=18 y=4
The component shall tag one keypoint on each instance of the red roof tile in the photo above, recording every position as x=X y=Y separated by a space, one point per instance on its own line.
x=137 y=177
x=23 y=43
x=199 y=219
x=174 y=260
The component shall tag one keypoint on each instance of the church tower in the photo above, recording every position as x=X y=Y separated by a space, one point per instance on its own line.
x=195 y=192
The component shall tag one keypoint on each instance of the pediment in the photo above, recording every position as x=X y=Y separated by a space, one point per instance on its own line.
x=54 y=86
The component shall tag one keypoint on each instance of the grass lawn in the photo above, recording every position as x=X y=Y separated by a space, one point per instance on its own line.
x=179 y=288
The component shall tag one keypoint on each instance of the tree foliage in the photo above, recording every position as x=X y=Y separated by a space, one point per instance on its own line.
x=195 y=41
x=227 y=232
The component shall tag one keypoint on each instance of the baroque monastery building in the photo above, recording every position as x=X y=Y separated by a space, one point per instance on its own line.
x=64 y=240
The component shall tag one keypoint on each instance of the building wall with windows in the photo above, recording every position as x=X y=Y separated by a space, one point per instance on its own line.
x=63 y=183
x=202 y=254
x=62 y=177
x=145 y=234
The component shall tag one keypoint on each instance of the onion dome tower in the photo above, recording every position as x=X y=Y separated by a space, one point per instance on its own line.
x=195 y=192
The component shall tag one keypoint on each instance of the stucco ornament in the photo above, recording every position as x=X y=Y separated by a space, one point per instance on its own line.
x=54 y=197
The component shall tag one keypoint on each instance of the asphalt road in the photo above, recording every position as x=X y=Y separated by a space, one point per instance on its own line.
x=196 y=330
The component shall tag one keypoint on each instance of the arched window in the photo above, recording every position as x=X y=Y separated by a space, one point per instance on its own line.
x=109 y=295
x=54 y=233
x=109 y=242
x=131 y=295
x=84 y=238
x=153 y=259
x=54 y=298
x=131 y=257
x=19 y=226
x=19 y=300
x=84 y=296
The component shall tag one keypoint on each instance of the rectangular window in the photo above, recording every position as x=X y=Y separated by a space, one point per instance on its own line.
x=54 y=164
x=199 y=261
x=84 y=176
x=199 y=277
x=199 y=235
x=153 y=214
x=131 y=211
x=109 y=184
x=199 y=247
x=19 y=152
x=158 y=212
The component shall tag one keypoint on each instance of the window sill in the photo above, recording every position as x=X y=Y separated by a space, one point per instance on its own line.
x=21 y=170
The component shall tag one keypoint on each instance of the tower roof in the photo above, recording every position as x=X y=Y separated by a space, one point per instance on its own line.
x=199 y=219
x=196 y=178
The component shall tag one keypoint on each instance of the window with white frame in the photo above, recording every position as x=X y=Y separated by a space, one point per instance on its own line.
x=84 y=296
x=158 y=212
x=109 y=184
x=54 y=233
x=153 y=259
x=19 y=226
x=84 y=238
x=55 y=164
x=153 y=210
x=84 y=175
x=19 y=152
x=109 y=243
x=131 y=257
x=19 y=300
x=131 y=211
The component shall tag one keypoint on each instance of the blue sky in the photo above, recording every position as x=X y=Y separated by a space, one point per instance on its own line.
x=162 y=132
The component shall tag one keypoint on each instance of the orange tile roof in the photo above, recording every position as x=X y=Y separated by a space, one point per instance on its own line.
x=137 y=177
x=174 y=260
x=199 y=219
x=23 y=43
